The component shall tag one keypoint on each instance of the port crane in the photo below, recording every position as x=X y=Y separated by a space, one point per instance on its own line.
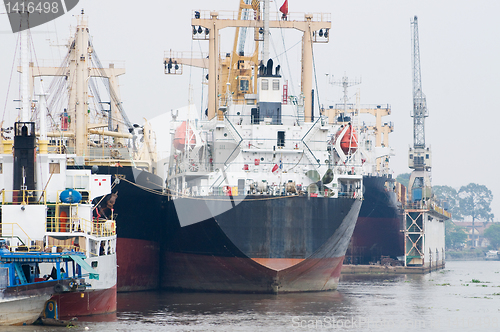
x=424 y=216
x=419 y=156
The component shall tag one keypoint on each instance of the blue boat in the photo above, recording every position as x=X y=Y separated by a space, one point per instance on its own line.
x=24 y=291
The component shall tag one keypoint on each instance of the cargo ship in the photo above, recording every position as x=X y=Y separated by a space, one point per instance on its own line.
x=264 y=190
x=379 y=229
x=47 y=207
x=91 y=130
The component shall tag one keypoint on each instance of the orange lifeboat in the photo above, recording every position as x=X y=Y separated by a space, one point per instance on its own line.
x=349 y=142
x=180 y=139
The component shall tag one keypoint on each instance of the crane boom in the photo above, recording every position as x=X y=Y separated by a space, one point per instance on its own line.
x=419 y=157
x=420 y=111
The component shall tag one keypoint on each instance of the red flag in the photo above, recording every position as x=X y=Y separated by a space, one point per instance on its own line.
x=284 y=8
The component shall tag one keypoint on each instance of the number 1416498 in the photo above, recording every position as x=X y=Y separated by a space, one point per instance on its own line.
x=32 y=7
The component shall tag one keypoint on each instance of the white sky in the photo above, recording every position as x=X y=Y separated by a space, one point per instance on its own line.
x=460 y=59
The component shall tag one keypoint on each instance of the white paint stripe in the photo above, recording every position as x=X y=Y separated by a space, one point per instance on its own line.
x=64 y=6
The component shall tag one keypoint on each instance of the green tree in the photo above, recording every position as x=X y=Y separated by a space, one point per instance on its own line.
x=492 y=233
x=450 y=200
x=404 y=179
x=455 y=236
x=475 y=202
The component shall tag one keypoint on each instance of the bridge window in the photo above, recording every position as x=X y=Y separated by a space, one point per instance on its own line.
x=244 y=85
x=276 y=84
x=265 y=85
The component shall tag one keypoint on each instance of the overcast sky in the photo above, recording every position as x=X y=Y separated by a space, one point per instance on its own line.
x=369 y=39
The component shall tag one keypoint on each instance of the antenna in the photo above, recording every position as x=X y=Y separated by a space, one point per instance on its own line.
x=345 y=84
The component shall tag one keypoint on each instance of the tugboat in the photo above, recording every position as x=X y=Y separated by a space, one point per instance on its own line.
x=266 y=193
x=23 y=290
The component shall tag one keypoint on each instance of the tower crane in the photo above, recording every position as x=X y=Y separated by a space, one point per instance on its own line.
x=419 y=156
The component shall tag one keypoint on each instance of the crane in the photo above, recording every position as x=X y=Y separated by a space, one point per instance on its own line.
x=419 y=156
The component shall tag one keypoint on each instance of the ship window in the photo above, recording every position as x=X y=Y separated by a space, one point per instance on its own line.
x=281 y=138
x=255 y=116
x=265 y=85
x=411 y=156
x=54 y=168
x=426 y=156
x=276 y=84
x=244 y=85
x=1 y=168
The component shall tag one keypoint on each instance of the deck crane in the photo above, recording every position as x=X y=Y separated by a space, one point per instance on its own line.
x=419 y=157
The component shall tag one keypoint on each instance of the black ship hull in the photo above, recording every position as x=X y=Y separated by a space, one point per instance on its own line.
x=378 y=229
x=262 y=244
x=140 y=210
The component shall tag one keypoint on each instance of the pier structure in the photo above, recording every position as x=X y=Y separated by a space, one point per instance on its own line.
x=424 y=234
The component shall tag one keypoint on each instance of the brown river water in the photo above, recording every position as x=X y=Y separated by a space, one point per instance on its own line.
x=465 y=296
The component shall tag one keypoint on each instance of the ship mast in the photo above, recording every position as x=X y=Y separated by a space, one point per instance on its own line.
x=80 y=65
x=265 y=46
x=312 y=33
x=25 y=96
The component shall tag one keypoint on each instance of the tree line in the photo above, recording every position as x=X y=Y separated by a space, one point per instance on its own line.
x=470 y=202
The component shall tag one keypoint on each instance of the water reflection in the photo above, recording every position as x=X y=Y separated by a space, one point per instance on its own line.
x=133 y=305
x=446 y=300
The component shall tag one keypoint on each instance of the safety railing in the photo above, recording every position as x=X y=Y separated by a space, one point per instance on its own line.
x=15 y=231
x=23 y=196
x=276 y=16
x=98 y=227
x=428 y=205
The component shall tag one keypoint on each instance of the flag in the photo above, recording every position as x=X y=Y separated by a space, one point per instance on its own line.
x=275 y=168
x=284 y=8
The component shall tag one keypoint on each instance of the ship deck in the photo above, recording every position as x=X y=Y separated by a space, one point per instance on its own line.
x=389 y=270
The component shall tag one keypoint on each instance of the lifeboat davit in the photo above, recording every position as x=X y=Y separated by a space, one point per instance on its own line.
x=348 y=142
x=180 y=139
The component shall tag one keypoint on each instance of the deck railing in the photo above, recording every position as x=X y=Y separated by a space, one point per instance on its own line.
x=99 y=228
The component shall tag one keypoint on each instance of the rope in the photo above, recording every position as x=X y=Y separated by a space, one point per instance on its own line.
x=180 y=195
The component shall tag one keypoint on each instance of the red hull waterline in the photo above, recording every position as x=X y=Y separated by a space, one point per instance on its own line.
x=138 y=265
x=92 y=302
x=235 y=274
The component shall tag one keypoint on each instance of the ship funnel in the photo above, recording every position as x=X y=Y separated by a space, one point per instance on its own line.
x=269 y=70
